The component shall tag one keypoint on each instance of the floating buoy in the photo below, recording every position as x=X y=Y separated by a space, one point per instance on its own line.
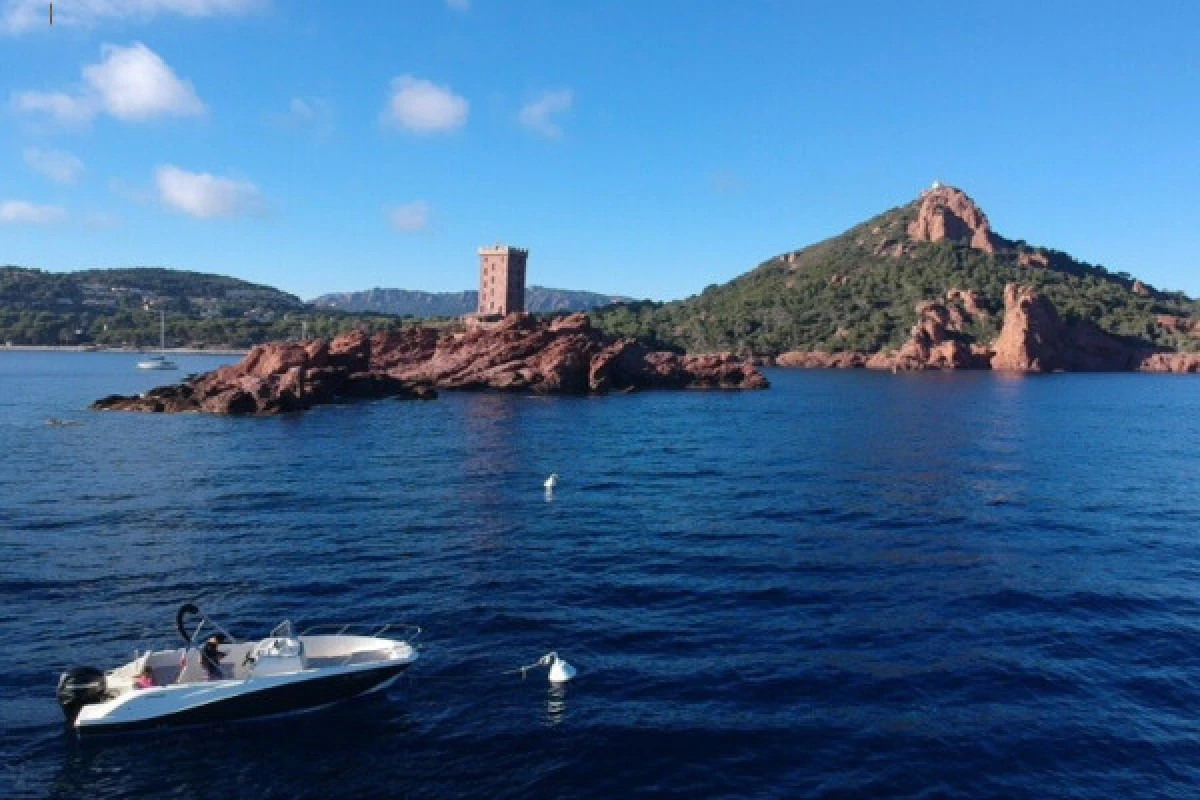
x=560 y=671
x=552 y=481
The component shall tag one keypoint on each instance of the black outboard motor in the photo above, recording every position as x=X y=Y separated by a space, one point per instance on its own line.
x=79 y=687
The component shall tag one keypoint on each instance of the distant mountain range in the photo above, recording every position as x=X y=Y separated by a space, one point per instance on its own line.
x=405 y=302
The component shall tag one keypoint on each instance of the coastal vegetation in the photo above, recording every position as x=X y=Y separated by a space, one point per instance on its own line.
x=120 y=308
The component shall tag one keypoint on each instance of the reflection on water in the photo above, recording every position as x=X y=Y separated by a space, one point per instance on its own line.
x=556 y=704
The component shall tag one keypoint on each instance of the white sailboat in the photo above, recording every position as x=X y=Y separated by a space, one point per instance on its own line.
x=160 y=361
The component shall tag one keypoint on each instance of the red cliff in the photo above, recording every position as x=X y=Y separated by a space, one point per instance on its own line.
x=948 y=213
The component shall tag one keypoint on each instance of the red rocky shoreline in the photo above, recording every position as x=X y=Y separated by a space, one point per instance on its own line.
x=520 y=353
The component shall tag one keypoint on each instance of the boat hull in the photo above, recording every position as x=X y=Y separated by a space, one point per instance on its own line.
x=232 y=700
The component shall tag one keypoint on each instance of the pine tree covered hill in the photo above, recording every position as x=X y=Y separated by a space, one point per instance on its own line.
x=24 y=289
x=118 y=307
x=860 y=290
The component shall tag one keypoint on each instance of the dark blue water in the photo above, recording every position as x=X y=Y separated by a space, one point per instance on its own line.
x=851 y=585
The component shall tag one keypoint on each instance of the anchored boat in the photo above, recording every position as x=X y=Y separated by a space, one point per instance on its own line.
x=159 y=361
x=225 y=679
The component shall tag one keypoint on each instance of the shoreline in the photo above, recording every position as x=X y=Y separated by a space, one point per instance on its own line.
x=124 y=351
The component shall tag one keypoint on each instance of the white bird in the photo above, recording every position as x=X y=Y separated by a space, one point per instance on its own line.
x=552 y=481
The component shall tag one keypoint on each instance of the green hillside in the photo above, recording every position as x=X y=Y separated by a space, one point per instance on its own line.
x=859 y=291
x=120 y=307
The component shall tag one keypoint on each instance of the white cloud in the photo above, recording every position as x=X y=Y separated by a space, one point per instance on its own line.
x=134 y=83
x=130 y=83
x=19 y=212
x=23 y=16
x=56 y=165
x=459 y=5
x=65 y=108
x=205 y=196
x=411 y=217
x=424 y=107
x=536 y=116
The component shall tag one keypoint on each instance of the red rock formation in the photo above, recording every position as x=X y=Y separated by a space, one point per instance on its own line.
x=801 y=359
x=972 y=301
x=1032 y=259
x=1172 y=324
x=565 y=356
x=948 y=213
x=1029 y=340
x=935 y=341
x=1171 y=362
x=1035 y=339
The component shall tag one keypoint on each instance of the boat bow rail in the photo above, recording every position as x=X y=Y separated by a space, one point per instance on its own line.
x=335 y=645
x=406 y=629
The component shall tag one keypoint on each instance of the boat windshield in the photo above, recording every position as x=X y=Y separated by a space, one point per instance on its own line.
x=284 y=630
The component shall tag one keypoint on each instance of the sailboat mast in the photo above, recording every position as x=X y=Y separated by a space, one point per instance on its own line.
x=162 y=342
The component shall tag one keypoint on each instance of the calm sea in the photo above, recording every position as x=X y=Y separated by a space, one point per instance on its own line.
x=850 y=585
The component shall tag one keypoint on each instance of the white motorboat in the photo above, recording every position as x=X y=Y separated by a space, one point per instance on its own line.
x=160 y=361
x=279 y=674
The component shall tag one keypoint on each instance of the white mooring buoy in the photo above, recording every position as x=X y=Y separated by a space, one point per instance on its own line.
x=560 y=671
x=552 y=481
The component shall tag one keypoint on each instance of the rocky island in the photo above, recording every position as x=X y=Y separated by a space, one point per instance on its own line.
x=929 y=285
x=1033 y=336
x=520 y=353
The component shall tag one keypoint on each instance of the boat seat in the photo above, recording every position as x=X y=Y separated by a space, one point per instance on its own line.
x=193 y=671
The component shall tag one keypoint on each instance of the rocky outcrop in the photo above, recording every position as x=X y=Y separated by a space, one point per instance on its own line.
x=1182 y=363
x=1027 y=258
x=936 y=341
x=565 y=356
x=803 y=359
x=939 y=340
x=1035 y=339
x=1180 y=325
x=948 y=213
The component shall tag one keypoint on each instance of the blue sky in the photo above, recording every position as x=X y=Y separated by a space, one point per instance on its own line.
x=640 y=147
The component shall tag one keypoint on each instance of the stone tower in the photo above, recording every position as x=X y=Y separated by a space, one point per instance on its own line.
x=501 y=279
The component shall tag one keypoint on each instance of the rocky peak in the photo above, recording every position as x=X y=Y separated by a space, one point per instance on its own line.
x=948 y=213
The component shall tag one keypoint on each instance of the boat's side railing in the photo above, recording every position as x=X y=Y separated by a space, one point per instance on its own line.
x=408 y=630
